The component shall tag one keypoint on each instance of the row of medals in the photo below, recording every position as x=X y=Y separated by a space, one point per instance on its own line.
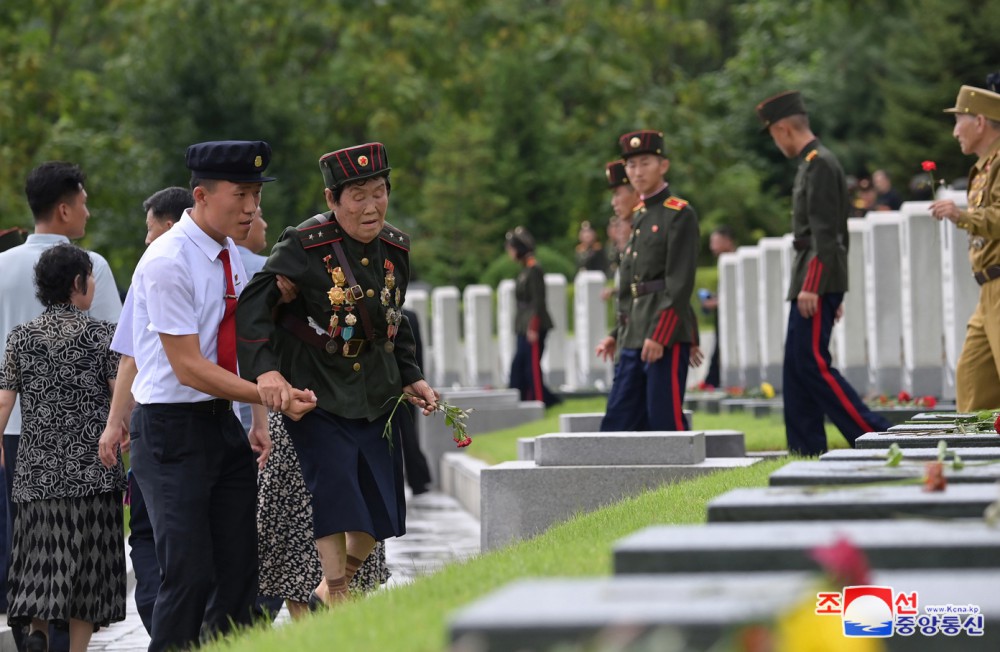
x=341 y=299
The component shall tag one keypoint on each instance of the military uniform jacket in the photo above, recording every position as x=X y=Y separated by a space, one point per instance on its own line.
x=529 y=293
x=659 y=262
x=819 y=223
x=354 y=387
x=982 y=218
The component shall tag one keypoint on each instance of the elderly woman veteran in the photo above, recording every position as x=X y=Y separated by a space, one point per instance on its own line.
x=344 y=336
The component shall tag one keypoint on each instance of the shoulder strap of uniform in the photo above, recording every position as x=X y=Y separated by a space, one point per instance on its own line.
x=675 y=203
x=811 y=155
x=395 y=237
x=319 y=230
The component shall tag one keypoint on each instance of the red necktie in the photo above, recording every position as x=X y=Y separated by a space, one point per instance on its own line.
x=226 y=348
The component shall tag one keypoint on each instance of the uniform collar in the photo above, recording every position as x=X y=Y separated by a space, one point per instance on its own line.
x=662 y=192
x=46 y=239
x=983 y=160
x=202 y=240
x=810 y=147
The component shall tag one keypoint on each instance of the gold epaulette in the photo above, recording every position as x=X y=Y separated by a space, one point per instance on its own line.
x=675 y=203
x=395 y=237
x=811 y=155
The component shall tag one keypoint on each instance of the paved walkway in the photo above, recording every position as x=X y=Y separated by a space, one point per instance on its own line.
x=439 y=531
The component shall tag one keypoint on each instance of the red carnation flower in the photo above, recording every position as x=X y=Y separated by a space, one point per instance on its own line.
x=929 y=402
x=464 y=442
x=844 y=563
x=996 y=424
x=929 y=166
x=904 y=397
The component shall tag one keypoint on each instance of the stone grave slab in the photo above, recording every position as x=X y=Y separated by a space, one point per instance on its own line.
x=940 y=416
x=926 y=436
x=591 y=421
x=778 y=546
x=696 y=612
x=851 y=503
x=619 y=448
x=521 y=499
x=446 y=336
x=919 y=454
x=801 y=474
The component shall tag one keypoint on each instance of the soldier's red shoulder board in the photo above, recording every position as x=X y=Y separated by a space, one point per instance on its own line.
x=675 y=203
x=320 y=234
x=395 y=237
x=811 y=155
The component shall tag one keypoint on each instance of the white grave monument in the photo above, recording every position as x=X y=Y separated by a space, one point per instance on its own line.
x=446 y=337
x=773 y=308
x=590 y=326
x=848 y=344
x=506 y=340
x=418 y=301
x=477 y=312
x=729 y=372
x=959 y=291
x=554 y=358
x=747 y=316
x=883 y=306
x=920 y=281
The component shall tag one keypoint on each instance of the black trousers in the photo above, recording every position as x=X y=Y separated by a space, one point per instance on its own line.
x=143 y=552
x=197 y=474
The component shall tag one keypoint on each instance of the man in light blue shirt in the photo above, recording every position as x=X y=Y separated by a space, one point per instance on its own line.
x=58 y=203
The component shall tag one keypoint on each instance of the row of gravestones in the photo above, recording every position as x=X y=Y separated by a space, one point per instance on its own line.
x=935 y=559
x=911 y=294
x=470 y=337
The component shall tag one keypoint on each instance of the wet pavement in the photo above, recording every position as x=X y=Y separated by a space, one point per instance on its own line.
x=438 y=532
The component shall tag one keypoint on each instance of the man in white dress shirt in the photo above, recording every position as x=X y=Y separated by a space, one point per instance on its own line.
x=58 y=202
x=190 y=455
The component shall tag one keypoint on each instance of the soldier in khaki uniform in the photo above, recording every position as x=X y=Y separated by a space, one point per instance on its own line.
x=977 y=129
x=657 y=327
x=345 y=336
x=812 y=387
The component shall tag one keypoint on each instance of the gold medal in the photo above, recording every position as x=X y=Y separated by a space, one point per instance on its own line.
x=384 y=296
x=338 y=276
x=390 y=281
x=389 y=346
x=397 y=296
x=336 y=296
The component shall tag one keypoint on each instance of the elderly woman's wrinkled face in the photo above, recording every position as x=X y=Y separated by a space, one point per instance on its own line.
x=361 y=209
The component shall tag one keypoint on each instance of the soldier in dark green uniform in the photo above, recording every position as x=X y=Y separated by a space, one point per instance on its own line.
x=532 y=322
x=657 y=328
x=344 y=336
x=812 y=387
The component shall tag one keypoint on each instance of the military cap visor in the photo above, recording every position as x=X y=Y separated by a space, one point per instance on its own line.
x=778 y=107
x=354 y=164
x=238 y=161
x=977 y=101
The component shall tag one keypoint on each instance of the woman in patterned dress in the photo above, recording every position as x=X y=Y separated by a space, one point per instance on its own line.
x=68 y=560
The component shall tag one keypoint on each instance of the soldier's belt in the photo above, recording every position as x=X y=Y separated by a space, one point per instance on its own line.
x=647 y=287
x=991 y=273
x=801 y=244
x=306 y=333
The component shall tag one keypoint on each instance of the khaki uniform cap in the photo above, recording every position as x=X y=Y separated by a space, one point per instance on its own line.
x=977 y=101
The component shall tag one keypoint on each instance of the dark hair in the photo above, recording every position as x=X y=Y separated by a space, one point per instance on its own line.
x=207 y=184
x=51 y=183
x=56 y=273
x=169 y=203
x=725 y=231
x=339 y=191
x=521 y=242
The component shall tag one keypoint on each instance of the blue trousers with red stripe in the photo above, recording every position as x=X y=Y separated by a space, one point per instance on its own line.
x=814 y=389
x=648 y=396
x=526 y=371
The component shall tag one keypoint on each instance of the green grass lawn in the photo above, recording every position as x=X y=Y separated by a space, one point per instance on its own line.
x=413 y=618
x=764 y=434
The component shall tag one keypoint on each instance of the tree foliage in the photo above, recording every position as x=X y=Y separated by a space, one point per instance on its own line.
x=494 y=112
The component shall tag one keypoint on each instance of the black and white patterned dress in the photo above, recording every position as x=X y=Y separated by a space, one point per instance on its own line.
x=68 y=558
x=289 y=563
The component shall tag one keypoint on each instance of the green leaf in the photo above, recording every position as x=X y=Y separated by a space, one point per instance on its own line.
x=894 y=455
